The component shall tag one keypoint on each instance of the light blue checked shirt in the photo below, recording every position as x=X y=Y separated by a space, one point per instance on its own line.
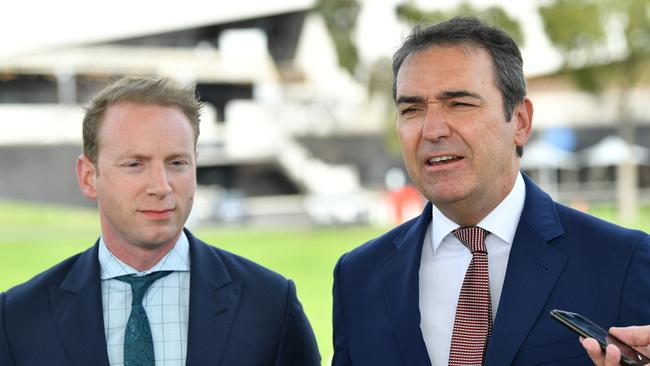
x=166 y=303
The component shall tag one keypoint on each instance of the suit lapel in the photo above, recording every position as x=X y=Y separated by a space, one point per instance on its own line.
x=77 y=308
x=214 y=298
x=400 y=283
x=533 y=269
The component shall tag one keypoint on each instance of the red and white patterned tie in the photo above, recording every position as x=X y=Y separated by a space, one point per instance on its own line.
x=473 y=322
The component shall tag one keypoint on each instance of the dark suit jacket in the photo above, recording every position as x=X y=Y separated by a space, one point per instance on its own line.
x=240 y=314
x=560 y=258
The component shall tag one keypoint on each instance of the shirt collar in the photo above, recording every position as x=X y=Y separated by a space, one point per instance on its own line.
x=510 y=209
x=177 y=259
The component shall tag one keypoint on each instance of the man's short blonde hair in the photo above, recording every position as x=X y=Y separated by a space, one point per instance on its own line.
x=140 y=90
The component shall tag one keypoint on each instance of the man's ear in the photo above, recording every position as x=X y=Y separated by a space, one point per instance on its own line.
x=86 y=176
x=523 y=120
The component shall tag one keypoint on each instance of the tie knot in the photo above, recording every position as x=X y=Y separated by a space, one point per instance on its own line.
x=140 y=284
x=473 y=237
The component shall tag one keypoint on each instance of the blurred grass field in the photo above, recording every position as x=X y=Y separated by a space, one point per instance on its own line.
x=34 y=237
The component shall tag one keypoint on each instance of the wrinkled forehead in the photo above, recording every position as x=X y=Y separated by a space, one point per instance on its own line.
x=464 y=50
x=468 y=49
x=447 y=64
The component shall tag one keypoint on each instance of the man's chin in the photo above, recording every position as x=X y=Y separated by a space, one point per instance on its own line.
x=445 y=194
x=157 y=240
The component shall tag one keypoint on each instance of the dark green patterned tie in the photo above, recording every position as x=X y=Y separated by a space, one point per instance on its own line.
x=138 y=345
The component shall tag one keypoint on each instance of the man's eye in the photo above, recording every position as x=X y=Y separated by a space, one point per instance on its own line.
x=178 y=162
x=460 y=104
x=407 y=110
x=131 y=164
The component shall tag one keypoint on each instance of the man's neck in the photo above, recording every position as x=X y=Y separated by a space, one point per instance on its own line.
x=139 y=257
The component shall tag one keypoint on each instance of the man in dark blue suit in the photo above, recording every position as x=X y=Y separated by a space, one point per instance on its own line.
x=463 y=119
x=149 y=292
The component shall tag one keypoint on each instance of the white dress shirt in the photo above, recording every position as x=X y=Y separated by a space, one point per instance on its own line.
x=445 y=260
x=166 y=303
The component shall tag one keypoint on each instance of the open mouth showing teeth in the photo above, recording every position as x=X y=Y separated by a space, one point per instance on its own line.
x=443 y=159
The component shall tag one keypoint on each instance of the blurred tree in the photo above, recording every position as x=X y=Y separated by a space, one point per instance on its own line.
x=341 y=18
x=583 y=31
x=493 y=15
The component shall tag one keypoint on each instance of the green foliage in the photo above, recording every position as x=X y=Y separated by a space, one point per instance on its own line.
x=380 y=75
x=493 y=15
x=582 y=29
x=574 y=24
x=635 y=15
x=587 y=79
x=411 y=14
x=341 y=18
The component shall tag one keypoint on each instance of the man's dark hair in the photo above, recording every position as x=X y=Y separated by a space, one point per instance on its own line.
x=507 y=61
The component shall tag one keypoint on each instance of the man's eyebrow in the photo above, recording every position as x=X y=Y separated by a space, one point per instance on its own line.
x=136 y=156
x=409 y=99
x=445 y=95
x=450 y=94
x=179 y=155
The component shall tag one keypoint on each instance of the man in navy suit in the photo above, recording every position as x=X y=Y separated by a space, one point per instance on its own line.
x=463 y=119
x=210 y=308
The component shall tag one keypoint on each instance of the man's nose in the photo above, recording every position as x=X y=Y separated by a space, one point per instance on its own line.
x=435 y=125
x=159 y=181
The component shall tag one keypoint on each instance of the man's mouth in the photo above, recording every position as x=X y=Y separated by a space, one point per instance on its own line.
x=157 y=214
x=444 y=159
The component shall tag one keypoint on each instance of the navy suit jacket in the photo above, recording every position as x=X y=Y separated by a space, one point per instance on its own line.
x=560 y=259
x=240 y=314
